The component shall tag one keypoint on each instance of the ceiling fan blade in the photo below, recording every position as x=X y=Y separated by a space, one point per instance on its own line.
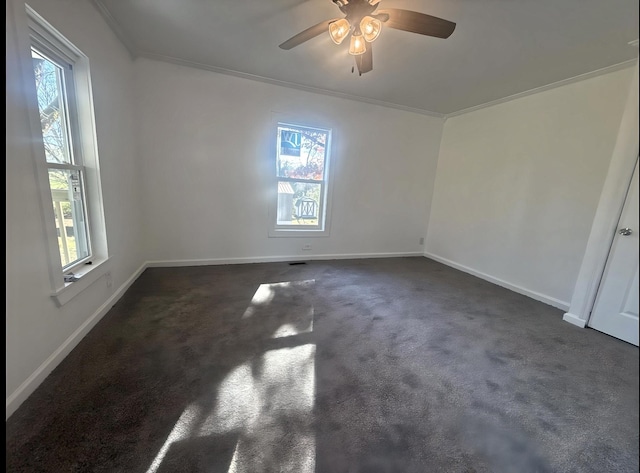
x=383 y=17
x=307 y=34
x=415 y=22
x=365 y=61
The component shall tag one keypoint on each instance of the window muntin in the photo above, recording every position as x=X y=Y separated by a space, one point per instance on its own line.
x=58 y=120
x=301 y=169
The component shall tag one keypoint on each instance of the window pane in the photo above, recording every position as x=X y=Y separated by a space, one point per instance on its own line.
x=301 y=152
x=68 y=206
x=298 y=203
x=51 y=101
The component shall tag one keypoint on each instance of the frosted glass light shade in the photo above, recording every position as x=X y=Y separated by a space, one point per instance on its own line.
x=339 y=30
x=370 y=28
x=358 y=45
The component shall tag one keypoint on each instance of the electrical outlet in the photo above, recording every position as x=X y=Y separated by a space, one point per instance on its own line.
x=109 y=279
x=421 y=240
x=306 y=247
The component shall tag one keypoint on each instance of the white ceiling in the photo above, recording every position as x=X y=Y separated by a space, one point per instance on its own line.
x=499 y=48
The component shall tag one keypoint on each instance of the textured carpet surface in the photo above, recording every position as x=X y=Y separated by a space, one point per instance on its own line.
x=362 y=366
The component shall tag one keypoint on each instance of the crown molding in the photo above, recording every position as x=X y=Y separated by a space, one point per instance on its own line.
x=134 y=53
x=115 y=27
x=553 y=85
x=291 y=85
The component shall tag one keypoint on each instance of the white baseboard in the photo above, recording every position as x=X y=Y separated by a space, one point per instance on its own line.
x=552 y=301
x=272 y=259
x=574 y=319
x=38 y=376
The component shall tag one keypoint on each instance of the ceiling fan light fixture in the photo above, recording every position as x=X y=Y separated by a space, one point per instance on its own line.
x=339 y=30
x=363 y=22
x=370 y=28
x=358 y=45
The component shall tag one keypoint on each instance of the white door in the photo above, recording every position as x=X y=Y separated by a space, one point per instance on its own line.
x=615 y=311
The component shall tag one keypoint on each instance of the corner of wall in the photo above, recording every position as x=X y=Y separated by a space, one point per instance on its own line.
x=433 y=190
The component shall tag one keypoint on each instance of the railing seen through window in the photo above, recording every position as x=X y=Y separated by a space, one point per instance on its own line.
x=302 y=158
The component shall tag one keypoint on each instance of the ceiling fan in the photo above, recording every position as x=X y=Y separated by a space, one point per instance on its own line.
x=364 y=24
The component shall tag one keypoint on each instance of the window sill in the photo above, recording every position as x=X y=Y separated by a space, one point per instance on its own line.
x=288 y=232
x=86 y=277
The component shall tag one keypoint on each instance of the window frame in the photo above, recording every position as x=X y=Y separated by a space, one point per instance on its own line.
x=324 y=206
x=43 y=37
x=75 y=149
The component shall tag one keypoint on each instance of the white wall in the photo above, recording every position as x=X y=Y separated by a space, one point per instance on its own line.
x=35 y=328
x=518 y=185
x=184 y=158
x=205 y=148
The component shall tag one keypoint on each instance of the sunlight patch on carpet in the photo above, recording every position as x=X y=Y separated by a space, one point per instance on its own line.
x=265 y=294
x=268 y=402
x=182 y=430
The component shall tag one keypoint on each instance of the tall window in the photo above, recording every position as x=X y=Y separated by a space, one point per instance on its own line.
x=66 y=153
x=58 y=121
x=301 y=172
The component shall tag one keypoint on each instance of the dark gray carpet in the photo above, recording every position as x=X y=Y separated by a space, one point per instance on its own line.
x=364 y=366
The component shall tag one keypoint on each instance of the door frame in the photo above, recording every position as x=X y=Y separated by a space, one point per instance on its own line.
x=605 y=222
x=606 y=289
